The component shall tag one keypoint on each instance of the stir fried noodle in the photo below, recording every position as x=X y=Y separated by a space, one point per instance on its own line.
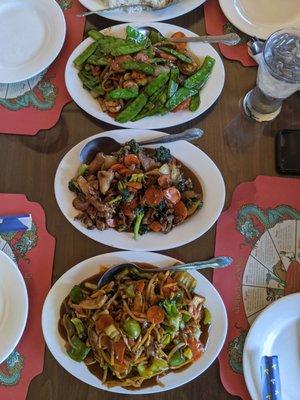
x=136 y=328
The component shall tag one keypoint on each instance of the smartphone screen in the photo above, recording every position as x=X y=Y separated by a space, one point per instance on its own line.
x=288 y=151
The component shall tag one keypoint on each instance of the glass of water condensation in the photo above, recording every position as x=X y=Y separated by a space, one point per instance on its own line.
x=278 y=75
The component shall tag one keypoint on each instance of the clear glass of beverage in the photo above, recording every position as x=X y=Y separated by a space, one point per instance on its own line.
x=278 y=75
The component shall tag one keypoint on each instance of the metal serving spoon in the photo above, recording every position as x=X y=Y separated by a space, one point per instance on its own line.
x=229 y=39
x=216 y=263
x=109 y=145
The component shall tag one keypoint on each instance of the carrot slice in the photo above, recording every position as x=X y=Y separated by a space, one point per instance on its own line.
x=103 y=322
x=155 y=315
x=169 y=287
x=182 y=106
x=116 y=167
x=164 y=181
x=134 y=185
x=139 y=286
x=180 y=210
x=119 y=349
x=155 y=226
x=153 y=196
x=172 y=194
x=131 y=159
x=197 y=348
x=179 y=35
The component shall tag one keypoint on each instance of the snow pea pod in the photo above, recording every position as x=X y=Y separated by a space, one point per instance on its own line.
x=157 y=83
x=158 y=109
x=138 y=66
x=181 y=95
x=132 y=109
x=79 y=60
x=135 y=36
x=199 y=78
x=156 y=95
x=113 y=45
x=173 y=82
x=180 y=56
x=87 y=82
x=94 y=60
x=97 y=91
x=195 y=102
x=126 y=93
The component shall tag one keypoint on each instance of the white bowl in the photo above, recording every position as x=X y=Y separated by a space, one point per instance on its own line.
x=209 y=94
x=199 y=223
x=13 y=306
x=90 y=267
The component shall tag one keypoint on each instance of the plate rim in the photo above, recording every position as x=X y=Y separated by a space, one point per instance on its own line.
x=77 y=268
x=25 y=302
x=156 y=122
x=250 y=381
x=55 y=5
x=171 y=15
x=130 y=247
x=260 y=31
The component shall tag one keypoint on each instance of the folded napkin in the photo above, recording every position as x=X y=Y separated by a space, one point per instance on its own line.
x=271 y=387
x=13 y=223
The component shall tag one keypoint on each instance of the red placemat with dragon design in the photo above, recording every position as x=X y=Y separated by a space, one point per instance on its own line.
x=261 y=232
x=33 y=252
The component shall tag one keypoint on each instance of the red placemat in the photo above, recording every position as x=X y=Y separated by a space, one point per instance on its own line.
x=217 y=24
x=25 y=110
x=33 y=251
x=261 y=232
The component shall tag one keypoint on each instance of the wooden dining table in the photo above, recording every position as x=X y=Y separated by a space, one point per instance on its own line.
x=241 y=148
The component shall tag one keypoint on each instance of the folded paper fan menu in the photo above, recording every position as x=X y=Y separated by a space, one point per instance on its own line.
x=261 y=232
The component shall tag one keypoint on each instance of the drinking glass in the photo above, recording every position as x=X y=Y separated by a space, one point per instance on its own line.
x=278 y=75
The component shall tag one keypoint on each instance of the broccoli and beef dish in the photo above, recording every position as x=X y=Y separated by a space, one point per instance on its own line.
x=136 y=190
x=136 y=328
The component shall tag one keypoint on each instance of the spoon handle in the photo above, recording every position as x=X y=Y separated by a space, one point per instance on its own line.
x=216 y=263
x=230 y=39
x=189 y=134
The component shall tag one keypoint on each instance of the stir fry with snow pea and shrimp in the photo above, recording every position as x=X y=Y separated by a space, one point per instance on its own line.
x=136 y=328
x=135 y=190
x=141 y=76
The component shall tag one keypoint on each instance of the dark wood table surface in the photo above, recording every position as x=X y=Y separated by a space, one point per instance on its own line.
x=242 y=149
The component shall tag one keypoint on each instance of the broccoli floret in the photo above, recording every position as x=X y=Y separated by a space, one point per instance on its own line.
x=73 y=187
x=139 y=215
x=143 y=229
x=126 y=195
x=181 y=185
x=162 y=154
x=134 y=146
x=160 y=208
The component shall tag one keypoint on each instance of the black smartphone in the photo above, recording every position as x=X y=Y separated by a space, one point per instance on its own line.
x=288 y=151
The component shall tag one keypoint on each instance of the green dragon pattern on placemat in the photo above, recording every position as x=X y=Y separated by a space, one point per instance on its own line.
x=42 y=99
x=251 y=222
x=17 y=245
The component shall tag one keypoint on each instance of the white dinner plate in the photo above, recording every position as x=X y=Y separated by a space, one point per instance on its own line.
x=275 y=332
x=209 y=93
x=32 y=34
x=175 y=10
x=260 y=18
x=13 y=306
x=196 y=160
x=90 y=267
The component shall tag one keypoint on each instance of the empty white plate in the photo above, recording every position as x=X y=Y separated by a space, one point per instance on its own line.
x=276 y=332
x=260 y=18
x=32 y=34
x=13 y=305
